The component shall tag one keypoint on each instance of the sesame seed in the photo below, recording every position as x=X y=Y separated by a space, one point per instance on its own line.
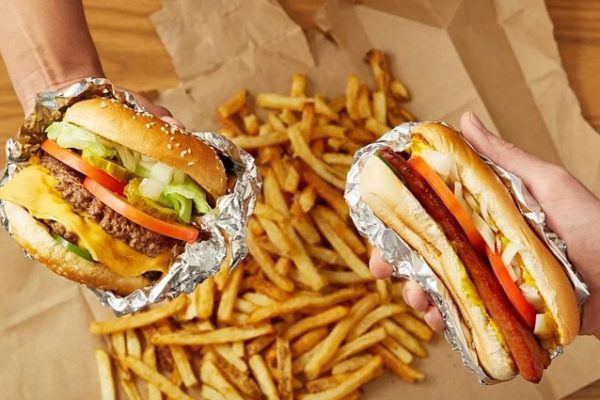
x=103 y=104
x=183 y=153
x=177 y=145
x=134 y=117
x=169 y=146
x=172 y=139
x=190 y=163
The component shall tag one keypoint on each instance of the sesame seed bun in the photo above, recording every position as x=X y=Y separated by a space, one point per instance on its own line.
x=152 y=137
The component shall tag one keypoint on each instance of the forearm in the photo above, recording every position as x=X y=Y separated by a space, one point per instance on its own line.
x=45 y=44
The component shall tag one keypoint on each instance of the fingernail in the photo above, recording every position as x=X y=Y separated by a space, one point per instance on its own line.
x=408 y=298
x=476 y=121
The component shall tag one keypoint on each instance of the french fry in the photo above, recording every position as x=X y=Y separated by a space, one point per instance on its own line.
x=303 y=301
x=233 y=104
x=288 y=117
x=352 y=88
x=343 y=277
x=399 y=90
x=205 y=298
x=360 y=135
x=298 y=85
x=308 y=341
x=397 y=350
x=322 y=384
x=275 y=122
x=324 y=254
x=343 y=144
x=381 y=312
x=377 y=127
x=359 y=344
x=282 y=266
x=208 y=393
x=382 y=286
x=414 y=325
x=230 y=292
x=380 y=68
x=350 y=259
x=259 y=284
x=292 y=180
x=404 y=371
x=327 y=131
x=302 y=150
x=152 y=376
x=276 y=236
x=149 y=358
x=307 y=198
x=380 y=107
x=211 y=375
x=321 y=107
x=107 y=384
x=259 y=344
x=337 y=158
x=244 y=306
x=332 y=196
x=308 y=121
x=242 y=381
x=259 y=299
x=341 y=228
x=284 y=366
x=222 y=335
x=363 y=102
x=251 y=124
x=264 y=379
x=265 y=211
x=134 y=348
x=273 y=194
x=118 y=345
x=306 y=268
x=350 y=364
x=404 y=338
x=267 y=266
x=304 y=225
x=315 y=321
x=279 y=102
x=338 y=103
x=261 y=140
x=140 y=319
x=129 y=387
x=227 y=352
x=180 y=357
x=354 y=380
x=328 y=347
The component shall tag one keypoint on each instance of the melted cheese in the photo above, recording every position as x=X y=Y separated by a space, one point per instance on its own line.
x=33 y=189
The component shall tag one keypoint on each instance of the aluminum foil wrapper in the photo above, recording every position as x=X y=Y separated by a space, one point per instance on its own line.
x=408 y=264
x=226 y=224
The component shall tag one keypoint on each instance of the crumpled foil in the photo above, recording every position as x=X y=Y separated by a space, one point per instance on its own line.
x=226 y=224
x=408 y=264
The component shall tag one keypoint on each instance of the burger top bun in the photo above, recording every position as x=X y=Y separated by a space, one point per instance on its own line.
x=152 y=137
x=485 y=186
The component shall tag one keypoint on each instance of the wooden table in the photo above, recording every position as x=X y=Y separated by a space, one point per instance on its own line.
x=136 y=59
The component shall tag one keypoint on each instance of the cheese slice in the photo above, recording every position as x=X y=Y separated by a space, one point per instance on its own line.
x=34 y=189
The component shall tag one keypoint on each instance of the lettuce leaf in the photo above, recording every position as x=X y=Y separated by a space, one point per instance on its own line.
x=70 y=136
x=180 y=196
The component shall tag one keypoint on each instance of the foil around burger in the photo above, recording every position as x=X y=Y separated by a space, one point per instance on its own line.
x=225 y=225
x=406 y=263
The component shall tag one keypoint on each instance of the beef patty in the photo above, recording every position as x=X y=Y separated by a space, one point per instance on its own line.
x=70 y=186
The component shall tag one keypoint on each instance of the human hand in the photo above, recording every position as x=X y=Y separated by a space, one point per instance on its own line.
x=572 y=211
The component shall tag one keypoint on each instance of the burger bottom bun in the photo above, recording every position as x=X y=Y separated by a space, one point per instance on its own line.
x=34 y=237
x=395 y=205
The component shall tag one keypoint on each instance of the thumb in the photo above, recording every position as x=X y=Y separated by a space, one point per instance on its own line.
x=503 y=153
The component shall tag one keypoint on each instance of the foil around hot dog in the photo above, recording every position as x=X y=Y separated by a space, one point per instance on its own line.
x=225 y=224
x=406 y=263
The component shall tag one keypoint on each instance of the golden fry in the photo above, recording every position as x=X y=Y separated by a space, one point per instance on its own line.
x=404 y=338
x=107 y=384
x=266 y=139
x=315 y=321
x=152 y=376
x=222 y=335
x=308 y=341
x=404 y=371
x=284 y=366
x=230 y=292
x=278 y=101
x=233 y=104
x=263 y=377
x=352 y=88
x=414 y=325
x=211 y=375
x=350 y=364
x=298 y=85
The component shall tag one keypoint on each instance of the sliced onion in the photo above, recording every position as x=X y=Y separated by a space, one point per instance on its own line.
x=512 y=271
x=161 y=172
x=151 y=188
x=483 y=210
x=485 y=231
x=128 y=157
x=532 y=296
x=509 y=252
x=458 y=193
x=471 y=201
x=440 y=162
x=178 y=176
x=544 y=326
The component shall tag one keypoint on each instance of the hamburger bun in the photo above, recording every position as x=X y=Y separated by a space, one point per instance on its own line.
x=152 y=137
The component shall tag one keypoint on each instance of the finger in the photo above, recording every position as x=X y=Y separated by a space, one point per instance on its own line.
x=415 y=296
x=501 y=152
x=379 y=268
x=434 y=319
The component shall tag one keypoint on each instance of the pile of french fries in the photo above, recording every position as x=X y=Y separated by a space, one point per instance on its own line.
x=301 y=317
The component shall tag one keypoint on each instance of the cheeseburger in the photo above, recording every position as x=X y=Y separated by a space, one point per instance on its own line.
x=112 y=195
x=516 y=303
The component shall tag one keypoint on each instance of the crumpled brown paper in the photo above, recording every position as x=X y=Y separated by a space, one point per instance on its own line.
x=495 y=57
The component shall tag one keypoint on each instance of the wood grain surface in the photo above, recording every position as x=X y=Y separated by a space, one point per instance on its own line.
x=133 y=57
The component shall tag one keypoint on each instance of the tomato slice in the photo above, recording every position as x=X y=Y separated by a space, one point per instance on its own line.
x=450 y=201
x=77 y=163
x=121 y=206
x=511 y=289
